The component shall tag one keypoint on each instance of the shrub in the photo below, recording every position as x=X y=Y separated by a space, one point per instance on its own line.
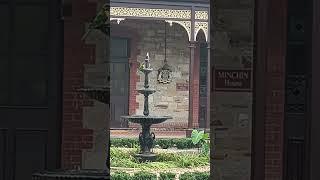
x=121 y=176
x=167 y=176
x=143 y=175
x=164 y=143
x=124 y=142
x=195 y=176
x=183 y=143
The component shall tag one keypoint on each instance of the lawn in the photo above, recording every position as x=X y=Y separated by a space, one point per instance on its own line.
x=183 y=159
x=124 y=157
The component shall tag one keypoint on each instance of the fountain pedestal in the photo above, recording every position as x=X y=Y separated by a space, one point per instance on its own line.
x=146 y=138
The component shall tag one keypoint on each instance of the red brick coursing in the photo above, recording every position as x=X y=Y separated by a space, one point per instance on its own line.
x=275 y=90
x=75 y=138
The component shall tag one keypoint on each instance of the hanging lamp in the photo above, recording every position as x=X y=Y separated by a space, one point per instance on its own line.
x=165 y=72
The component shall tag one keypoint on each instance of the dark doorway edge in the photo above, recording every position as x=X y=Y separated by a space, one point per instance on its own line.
x=259 y=93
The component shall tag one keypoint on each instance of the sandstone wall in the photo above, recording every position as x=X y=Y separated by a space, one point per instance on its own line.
x=169 y=99
x=231 y=113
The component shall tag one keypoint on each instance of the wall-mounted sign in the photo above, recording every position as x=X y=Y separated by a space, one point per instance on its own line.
x=233 y=80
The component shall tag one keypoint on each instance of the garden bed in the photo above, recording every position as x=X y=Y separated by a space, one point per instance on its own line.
x=182 y=159
x=176 y=161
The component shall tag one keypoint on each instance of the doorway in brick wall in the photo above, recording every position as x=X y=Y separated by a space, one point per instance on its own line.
x=30 y=91
x=119 y=78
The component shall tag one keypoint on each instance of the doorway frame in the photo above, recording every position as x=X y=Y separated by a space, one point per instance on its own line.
x=122 y=31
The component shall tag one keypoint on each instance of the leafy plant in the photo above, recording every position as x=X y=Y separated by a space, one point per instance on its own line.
x=143 y=175
x=201 y=139
x=100 y=22
x=121 y=176
x=167 y=176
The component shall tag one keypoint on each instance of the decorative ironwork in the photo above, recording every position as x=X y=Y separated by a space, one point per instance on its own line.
x=185 y=24
x=182 y=17
x=164 y=75
x=203 y=26
x=150 y=13
x=117 y=19
x=201 y=15
x=296 y=94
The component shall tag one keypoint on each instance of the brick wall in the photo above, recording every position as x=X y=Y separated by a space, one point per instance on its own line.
x=275 y=90
x=195 y=87
x=75 y=138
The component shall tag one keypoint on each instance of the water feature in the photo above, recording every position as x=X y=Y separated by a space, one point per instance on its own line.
x=146 y=138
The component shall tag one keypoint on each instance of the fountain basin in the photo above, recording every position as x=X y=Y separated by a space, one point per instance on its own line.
x=146 y=91
x=100 y=94
x=140 y=119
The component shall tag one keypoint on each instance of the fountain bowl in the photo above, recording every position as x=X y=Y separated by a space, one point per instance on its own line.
x=147 y=119
x=101 y=94
x=146 y=91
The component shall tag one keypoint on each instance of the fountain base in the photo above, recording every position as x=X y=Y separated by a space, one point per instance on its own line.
x=146 y=157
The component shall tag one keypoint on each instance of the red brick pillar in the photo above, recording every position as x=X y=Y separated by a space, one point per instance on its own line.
x=192 y=47
x=195 y=88
x=275 y=89
x=269 y=96
x=75 y=138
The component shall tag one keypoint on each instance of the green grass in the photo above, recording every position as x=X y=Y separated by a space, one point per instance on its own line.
x=167 y=176
x=125 y=158
x=144 y=175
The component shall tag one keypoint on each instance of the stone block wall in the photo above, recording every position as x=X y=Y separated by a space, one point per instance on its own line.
x=231 y=111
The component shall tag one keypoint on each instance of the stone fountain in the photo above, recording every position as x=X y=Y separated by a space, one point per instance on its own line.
x=146 y=138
